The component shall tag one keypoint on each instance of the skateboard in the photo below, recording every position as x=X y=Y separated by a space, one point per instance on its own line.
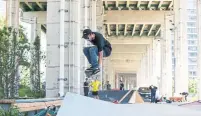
x=89 y=74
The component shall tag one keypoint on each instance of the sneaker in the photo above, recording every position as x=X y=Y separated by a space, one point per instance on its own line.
x=95 y=71
x=89 y=69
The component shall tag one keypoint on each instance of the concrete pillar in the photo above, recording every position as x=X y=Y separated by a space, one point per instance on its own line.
x=12 y=13
x=93 y=15
x=199 y=45
x=72 y=47
x=150 y=54
x=168 y=56
x=147 y=63
x=156 y=62
x=138 y=80
x=143 y=81
x=181 y=54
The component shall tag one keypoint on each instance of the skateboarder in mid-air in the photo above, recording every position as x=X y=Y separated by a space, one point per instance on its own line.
x=102 y=48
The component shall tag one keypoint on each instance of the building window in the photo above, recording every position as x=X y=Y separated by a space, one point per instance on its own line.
x=172 y=42
x=172 y=54
x=192 y=60
x=192 y=73
x=192 y=54
x=191 y=24
x=191 y=11
x=173 y=67
x=173 y=60
x=192 y=30
x=192 y=36
x=172 y=48
x=192 y=67
x=192 y=48
x=192 y=42
x=192 y=18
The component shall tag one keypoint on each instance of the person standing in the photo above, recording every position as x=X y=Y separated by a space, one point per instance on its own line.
x=121 y=85
x=86 y=87
x=153 y=93
x=108 y=86
x=102 y=48
x=95 y=88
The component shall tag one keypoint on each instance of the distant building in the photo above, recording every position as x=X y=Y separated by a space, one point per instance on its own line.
x=192 y=41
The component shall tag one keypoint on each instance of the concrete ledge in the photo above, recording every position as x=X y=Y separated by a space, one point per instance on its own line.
x=26 y=105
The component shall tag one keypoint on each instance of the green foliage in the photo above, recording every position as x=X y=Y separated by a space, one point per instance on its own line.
x=13 y=111
x=16 y=53
x=192 y=86
x=14 y=47
x=25 y=91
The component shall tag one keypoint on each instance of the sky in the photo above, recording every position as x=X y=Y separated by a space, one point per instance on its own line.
x=2 y=8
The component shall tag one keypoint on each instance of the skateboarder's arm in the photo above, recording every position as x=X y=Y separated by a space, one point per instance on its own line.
x=100 y=45
x=100 y=57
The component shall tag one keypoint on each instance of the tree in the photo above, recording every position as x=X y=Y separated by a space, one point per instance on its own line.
x=14 y=48
x=35 y=75
x=193 y=86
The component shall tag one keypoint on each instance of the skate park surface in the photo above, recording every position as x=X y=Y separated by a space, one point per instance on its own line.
x=78 y=105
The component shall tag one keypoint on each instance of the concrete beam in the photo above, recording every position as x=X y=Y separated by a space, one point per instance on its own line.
x=158 y=31
x=171 y=4
x=142 y=30
x=135 y=17
x=130 y=60
x=150 y=30
x=108 y=29
x=129 y=40
x=132 y=66
x=125 y=29
x=160 y=4
x=127 y=56
x=123 y=62
x=126 y=70
x=117 y=29
x=26 y=2
x=149 y=4
x=129 y=48
x=41 y=16
x=37 y=2
x=133 y=32
x=138 y=3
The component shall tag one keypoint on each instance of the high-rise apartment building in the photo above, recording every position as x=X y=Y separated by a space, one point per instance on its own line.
x=192 y=38
x=192 y=41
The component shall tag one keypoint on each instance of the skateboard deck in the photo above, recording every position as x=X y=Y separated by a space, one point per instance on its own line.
x=89 y=74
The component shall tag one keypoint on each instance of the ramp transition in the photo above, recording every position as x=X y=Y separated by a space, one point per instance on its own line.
x=124 y=97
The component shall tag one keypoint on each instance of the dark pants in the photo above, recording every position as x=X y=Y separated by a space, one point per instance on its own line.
x=153 y=99
x=92 y=54
x=86 y=92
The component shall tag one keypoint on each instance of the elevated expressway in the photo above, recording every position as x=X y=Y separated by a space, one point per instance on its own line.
x=136 y=30
x=140 y=33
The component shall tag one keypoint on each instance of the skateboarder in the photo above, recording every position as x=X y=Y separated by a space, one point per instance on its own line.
x=102 y=48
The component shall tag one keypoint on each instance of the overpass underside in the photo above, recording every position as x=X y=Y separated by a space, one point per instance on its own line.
x=141 y=34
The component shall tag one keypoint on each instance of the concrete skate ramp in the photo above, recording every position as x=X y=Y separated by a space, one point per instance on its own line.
x=124 y=97
x=114 y=95
x=77 y=105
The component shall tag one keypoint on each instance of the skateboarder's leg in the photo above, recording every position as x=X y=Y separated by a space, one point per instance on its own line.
x=86 y=53
x=93 y=52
